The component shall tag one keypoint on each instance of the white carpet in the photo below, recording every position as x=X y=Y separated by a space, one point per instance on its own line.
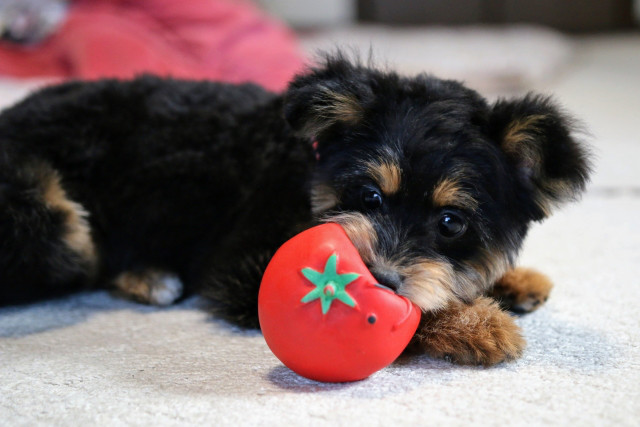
x=94 y=360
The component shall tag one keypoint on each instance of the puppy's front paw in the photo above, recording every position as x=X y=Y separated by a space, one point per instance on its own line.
x=470 y=334
x=150 y=286
x=522 y=290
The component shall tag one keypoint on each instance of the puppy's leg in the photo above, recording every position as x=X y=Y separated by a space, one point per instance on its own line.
x=150 y=286
x=521 y=290
x=46 y=247
x=233 y=288
x=479 y=333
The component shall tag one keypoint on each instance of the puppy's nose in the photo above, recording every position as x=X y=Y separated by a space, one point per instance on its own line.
x=387 y=277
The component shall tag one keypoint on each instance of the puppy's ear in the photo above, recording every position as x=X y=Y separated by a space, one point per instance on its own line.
x=550 y=164
x=337 y=93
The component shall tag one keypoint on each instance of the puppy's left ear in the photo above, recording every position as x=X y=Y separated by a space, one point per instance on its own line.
x=334 y=94
x=551 y=165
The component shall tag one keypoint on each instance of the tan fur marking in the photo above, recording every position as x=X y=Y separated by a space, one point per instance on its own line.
x=519 y=141
x=432 y=283
x=360 y=232
x=519 y=133
x=323 y=198
x=449 y=192
x=428 y=283
x=149 y=286
x=134 y=285
x=387 y=175
x=488 y=266
x=339 y=107
x=330 y=107
x=563 y=189
x=472 y=334
x=522 y=289
x=544 y=204
x=78 y=236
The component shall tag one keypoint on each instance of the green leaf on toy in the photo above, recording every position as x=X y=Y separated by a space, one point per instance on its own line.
x=329 y=285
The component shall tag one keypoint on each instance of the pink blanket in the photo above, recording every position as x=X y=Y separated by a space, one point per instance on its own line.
x=227 y=40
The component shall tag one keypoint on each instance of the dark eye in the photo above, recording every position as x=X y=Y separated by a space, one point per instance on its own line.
x=451 y=225
x=371 y=199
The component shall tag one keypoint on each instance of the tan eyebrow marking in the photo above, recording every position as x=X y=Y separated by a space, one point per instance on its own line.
x=449 y=192
x=387 y=175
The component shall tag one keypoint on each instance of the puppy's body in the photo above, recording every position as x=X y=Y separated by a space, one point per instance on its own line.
x=135 y=183
x=176 y=176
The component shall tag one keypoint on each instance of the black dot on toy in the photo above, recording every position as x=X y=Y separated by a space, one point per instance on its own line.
x=372 y=318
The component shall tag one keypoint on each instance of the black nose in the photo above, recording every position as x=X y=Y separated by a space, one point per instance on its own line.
x=387 y=277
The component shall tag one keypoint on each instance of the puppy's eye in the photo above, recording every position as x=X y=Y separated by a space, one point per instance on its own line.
x=451 y=224
x=371 y=199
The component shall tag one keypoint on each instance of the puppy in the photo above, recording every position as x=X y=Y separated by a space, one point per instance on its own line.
x=160 y=188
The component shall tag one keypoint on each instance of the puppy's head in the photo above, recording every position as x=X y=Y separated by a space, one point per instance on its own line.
x=434 y=186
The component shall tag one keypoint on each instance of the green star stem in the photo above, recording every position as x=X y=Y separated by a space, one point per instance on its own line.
x=329 y=285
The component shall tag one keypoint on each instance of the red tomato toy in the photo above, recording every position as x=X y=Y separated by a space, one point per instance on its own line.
x=323 y=314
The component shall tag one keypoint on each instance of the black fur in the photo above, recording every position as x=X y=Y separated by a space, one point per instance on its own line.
x=206 y=180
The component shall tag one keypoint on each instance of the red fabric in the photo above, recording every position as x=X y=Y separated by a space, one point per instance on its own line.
x=228 y=40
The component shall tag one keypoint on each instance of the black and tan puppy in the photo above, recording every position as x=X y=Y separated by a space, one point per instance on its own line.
x=161 y=187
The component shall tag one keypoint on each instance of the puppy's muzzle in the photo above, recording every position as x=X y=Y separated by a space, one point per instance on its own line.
x=387 y=277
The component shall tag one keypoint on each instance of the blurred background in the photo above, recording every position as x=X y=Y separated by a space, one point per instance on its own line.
x=578 y=15
x=585 y=52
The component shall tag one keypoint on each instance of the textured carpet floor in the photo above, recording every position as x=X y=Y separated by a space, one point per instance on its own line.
x=92 y=359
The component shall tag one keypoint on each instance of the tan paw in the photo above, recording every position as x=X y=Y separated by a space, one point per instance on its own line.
x=150 y=286
x=522 y=290
x=471 y=334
